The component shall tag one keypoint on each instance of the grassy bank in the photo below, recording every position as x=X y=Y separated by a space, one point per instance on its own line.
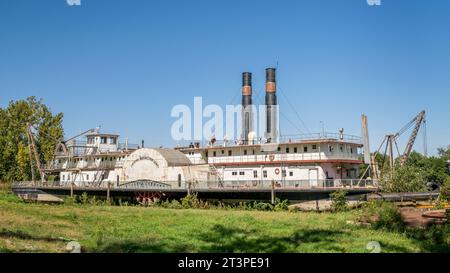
x=30 y=227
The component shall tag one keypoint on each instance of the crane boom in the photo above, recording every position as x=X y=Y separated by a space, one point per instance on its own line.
x=85 y=132
x=418 y=120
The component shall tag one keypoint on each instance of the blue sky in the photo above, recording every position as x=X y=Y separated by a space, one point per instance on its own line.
x=125 y=64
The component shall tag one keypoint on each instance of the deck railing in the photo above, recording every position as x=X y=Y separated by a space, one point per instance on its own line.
x=248 y=184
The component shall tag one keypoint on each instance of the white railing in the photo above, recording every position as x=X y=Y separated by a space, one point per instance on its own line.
x=280 y=157
x=248 y=184
x=298 y=184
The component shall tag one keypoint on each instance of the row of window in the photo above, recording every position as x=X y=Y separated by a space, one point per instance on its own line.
x=295 y=150
x=63 y=177
x=103 y=140
x=97 y=159
x=255 y=173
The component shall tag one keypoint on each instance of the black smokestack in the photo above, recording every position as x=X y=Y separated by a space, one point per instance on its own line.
x=246 y=89
x=246 y=105
x=271 y=105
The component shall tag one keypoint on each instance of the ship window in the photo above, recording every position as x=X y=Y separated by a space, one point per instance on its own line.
x=229 y=152
x=351 y=150
x=341 y=148
x=214 y=153
x=63 y=177
x=279 y=149
x=305 y=149
x=255 y=174
x=330 y=148
x=253 y=151
x=206 y=153
x=295 y=149
x=314 y=147
x=234 y=173
x=223 y=151
x=265 y=174
x=283 y=173
x=241 y=173
x=103 y=140
x=291 y=173
x=287 y=150
x=114 y=140
x=245 y=152
x=87 y=176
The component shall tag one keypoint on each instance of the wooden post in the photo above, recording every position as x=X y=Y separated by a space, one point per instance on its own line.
x=108 y=192
x=189 y=188
x=317 y=205
x=71 y=189
x=272 y=193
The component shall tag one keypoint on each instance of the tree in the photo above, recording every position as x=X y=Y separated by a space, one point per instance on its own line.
x=445 y=190
x=14 y=146
x=406 y=178
x=434 y=169
x=444 y=153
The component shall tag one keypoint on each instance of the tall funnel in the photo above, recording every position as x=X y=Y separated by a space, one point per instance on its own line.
x=247 y=112
x=271 y=133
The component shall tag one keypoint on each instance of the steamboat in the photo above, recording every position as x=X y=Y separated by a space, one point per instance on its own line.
x=322 y=161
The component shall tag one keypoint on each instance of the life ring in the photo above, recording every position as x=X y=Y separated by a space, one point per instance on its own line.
x=272 y=157
x=277 y=171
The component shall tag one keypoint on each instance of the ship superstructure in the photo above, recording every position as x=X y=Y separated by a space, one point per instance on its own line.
x=305 y=161
x=310 y=160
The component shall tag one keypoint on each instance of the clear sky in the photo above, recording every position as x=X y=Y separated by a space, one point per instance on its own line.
x=124 y=64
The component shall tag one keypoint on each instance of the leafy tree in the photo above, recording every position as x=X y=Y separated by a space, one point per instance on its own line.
x=444 y=153
x=14 y=145
x=445 y=190
x=434 y=169
x=406 y=178
x=339 y=200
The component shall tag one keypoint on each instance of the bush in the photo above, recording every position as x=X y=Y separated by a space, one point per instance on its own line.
x=70 y=200
x=339 y=200
x=84 y=198
x=281 y=205
x=405 y=179
x=444 y=194
x=191 y=201
x=262 y=206
x=382 y=215
x=174 y=204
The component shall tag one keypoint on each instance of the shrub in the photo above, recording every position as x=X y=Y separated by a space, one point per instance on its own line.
x=70 y=200
x=262 y=206
x=174 y=204
x=383 y=215
x=405 y=179
x=122 y=203
x=444 y=193
x=339 y=200
x=281 y=205
x=84 y=198
x=191 y=201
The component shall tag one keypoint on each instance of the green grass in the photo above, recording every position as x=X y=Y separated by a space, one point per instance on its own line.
x=32 y=227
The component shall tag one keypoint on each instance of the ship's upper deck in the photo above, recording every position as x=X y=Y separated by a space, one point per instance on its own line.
x=95 y=143
x=313 y=138
x=310 y=148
